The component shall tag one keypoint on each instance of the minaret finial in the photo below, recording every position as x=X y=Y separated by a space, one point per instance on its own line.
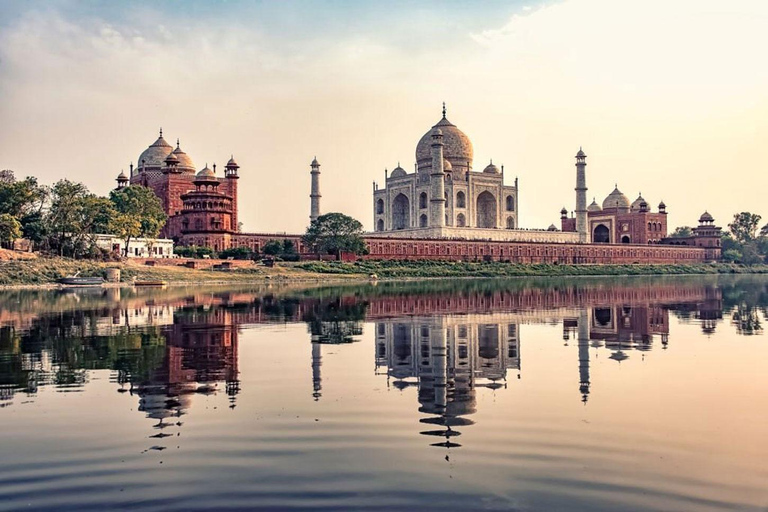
x=443 y=110
x=161 y=132
x=177 y=143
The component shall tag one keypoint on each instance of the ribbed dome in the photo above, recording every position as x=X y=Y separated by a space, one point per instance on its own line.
x=154 y=156
x=491 y=169
x=457 y=148
x=594 y=207
x=185 y=162
x=637 y=203
x=398 y=172
x=616 y=200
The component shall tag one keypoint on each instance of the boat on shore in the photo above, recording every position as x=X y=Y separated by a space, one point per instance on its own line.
x=81 y=281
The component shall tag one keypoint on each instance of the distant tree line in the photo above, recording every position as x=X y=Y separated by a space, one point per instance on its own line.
x=63 y=219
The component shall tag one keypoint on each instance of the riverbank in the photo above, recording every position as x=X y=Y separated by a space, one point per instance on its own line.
x=434 y=269
x=44 y=272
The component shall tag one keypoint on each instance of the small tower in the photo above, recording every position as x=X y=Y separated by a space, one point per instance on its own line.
x=437 y=181
x=581 y=197
x=230 y=170
x=314 y=195
x=122 y=180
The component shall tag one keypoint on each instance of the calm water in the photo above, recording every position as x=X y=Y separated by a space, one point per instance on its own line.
x=614 y=394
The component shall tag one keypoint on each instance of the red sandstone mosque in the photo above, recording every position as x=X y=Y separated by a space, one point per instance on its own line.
x=444 y=209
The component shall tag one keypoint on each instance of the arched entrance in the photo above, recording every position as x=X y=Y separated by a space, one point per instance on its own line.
x=423 y=221
x=401 y=212
x=601 y=235
x=625 y=239
x=486 y=210
x=461 y=220
x=380 y=225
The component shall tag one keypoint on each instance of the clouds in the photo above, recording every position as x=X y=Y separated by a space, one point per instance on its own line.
x=649 y=88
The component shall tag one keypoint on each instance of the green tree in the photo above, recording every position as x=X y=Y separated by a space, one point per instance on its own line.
x=10 y=228
x=334 y=233
x=142 y=206
x=74 y=217
x=272 y=248
x=682 y=232
x=744 y=226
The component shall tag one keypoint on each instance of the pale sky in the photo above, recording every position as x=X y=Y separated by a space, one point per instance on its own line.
x=668 y=98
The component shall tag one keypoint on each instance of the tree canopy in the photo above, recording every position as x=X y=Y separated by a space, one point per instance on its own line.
x=744 y=226
x=334 y=233
x=139 y=214
x=10 y=228
x=682 y=232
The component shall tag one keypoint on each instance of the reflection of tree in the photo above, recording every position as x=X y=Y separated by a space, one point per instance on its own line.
x=746 y=319
x=335 y=321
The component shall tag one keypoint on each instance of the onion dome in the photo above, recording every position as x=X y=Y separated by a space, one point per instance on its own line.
x=491 y=169
x=185 y=162
x=154 y=155
x=205 y=172
x=457 y=148
x=637 y=203
x=706 y=217
x=447 y=166
x=616 y=200
x=594 y=207
x=398 y=172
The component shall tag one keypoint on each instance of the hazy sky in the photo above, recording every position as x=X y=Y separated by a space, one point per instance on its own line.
x=667 y=97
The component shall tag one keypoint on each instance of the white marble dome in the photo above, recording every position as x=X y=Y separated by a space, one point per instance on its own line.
x=616 y=199
x=154 y=156
x=457 y=148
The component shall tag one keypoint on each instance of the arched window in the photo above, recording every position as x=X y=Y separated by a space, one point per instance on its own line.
x=380 y=225
x=510 y=204
x=423 y=221
x=380 y=206
x=461 y=200
x=625 y=239
x=510 y=223
x=486 y=210
x=650 y=226
x=461 y=221
x=423 y=200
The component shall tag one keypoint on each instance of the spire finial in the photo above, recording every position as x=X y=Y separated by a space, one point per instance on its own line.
x=177 y=143
x=443 y=110
x=161 y=132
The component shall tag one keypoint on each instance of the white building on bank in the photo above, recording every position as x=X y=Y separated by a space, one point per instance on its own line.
x=138 y=247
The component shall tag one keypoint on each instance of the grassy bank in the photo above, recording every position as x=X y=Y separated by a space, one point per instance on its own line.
x=46 y=271
x=416 y=269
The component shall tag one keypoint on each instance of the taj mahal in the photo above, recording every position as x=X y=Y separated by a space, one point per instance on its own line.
x=443 y=209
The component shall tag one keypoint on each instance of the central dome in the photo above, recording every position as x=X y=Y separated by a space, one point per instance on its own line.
x=154 y=156
x=616 y=200
x=457 y=148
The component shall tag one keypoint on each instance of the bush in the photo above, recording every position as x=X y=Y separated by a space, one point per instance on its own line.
x=237 y=253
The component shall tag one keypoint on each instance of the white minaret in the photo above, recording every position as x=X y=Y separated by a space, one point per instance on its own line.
x=314 y=196
x=437 y=181
x=581 y=197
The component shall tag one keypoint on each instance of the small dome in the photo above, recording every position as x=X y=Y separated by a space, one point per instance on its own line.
x=171 y=158
x=552 y=227
x=616 y=200
x=447 y=165
x=205 y=172
x=315 y=163
x=594 y=207
x=491 y=169
x=185 y=162
x=122 y=176
x=581 y=153
x=563 y=211
x=637 y=203
x=398 y=172
x=706 y=217
x=232 y=164
x=662 y=206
